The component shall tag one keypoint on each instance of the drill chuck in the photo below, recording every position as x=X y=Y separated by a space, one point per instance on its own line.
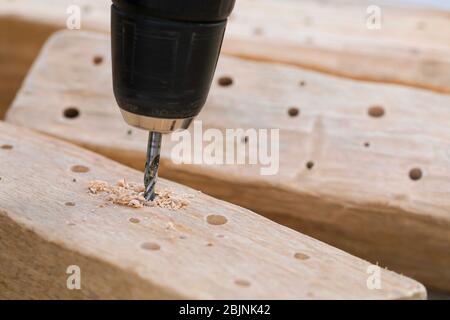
x=164 y=54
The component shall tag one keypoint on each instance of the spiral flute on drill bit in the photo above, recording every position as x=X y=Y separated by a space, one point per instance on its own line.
x=152 y=164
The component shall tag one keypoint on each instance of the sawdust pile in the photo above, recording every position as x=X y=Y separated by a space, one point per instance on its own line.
x=132 y=195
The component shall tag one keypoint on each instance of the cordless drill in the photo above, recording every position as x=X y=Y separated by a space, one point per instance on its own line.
x=164 y=55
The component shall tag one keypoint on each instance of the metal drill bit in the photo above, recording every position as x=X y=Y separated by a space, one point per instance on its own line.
x=152 y=164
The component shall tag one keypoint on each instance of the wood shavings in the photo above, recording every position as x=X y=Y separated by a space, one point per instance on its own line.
x=97 y=186
x=165 y=199
x=132 y=195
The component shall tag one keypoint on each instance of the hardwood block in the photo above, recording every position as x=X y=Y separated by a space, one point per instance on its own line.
x=48 y=222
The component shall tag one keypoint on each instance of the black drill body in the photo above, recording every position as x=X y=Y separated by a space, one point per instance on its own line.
x=164 y=54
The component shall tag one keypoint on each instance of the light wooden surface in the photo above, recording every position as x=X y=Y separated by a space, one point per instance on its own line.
x=246 y=257
x=358 y=197
x=412 y=47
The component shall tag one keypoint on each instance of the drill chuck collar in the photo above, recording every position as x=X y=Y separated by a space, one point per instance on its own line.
x=164 y=54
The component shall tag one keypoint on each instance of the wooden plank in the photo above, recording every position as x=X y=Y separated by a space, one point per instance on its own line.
x=186 y=255
x=24 y=27
x=20 y=41
x=411 y=48
x=358 y=195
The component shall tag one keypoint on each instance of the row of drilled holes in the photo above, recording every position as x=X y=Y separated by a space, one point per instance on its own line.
x=226 y=81
x=374 y=111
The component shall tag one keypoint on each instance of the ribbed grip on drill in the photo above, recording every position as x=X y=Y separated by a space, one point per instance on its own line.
x=162 y=68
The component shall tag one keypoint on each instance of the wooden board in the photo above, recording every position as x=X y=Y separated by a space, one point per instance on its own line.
x=186 y=254
x=20 y=41
x=332 y=36
x=411 y=48
x=358 y=195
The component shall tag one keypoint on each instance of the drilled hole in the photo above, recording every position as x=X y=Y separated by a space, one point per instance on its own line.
x=309 y=165
x=97 y=60
x=150 y=246
x=134 y=220
x=79 y=169
x=225 y=81
x=6 y=147
x=301 y=256
x=302 y=83
x=242 y=283
x=415 y=174
x=366 y=144
x=293 y=112
x=71 y=113
x=216 y=219
x=70 y=204
x=376 y=111
x=74 y=180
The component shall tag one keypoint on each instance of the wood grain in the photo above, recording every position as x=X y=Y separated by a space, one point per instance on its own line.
x=411 y=48
x=358 y=195
x=163 y=254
